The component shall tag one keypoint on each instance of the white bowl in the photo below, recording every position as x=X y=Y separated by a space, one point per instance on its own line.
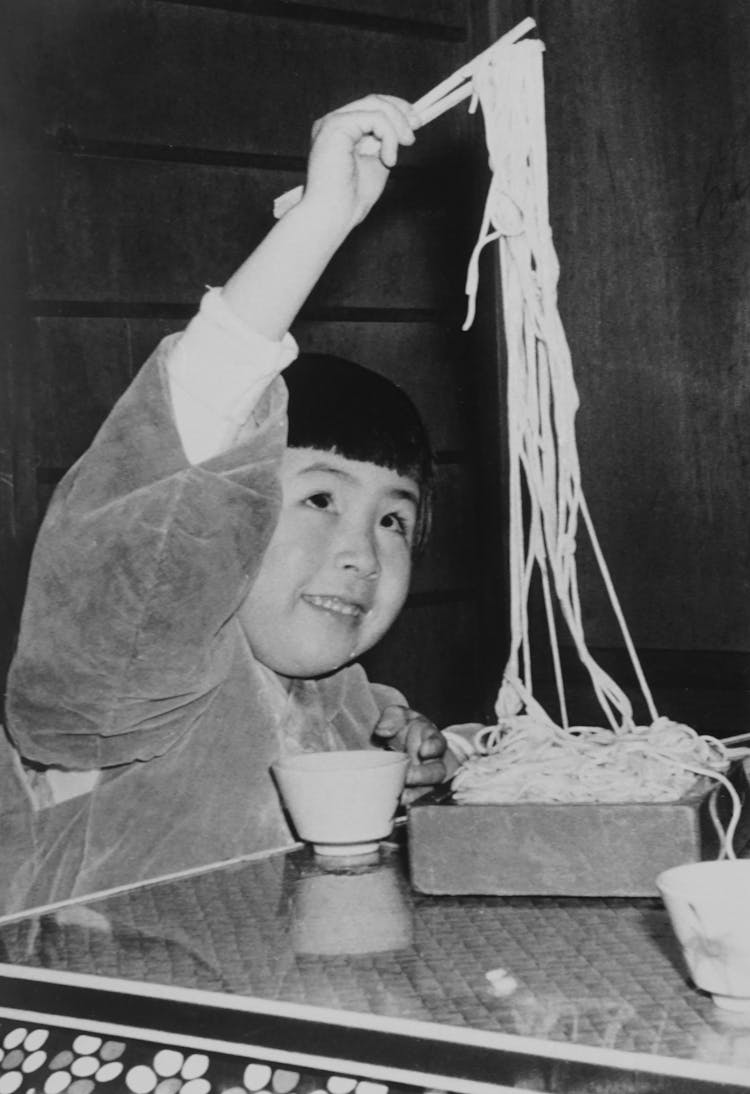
x=342 y=802
x=709 y=906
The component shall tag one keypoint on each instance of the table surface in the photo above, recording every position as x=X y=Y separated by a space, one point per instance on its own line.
x=589 y=979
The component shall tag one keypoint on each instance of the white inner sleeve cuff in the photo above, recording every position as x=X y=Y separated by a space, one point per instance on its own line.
x=217 y=371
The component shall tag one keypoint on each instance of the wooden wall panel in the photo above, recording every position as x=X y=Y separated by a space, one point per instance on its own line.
x=13 y=546
x=649 y=161
x=80 y=367
x=449 y=563
x=17 y=455
x=430 y=654
x=446 y=14
x=132 y=230
x=205 y=78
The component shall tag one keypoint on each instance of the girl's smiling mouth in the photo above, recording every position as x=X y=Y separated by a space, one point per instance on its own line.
x=334 y=604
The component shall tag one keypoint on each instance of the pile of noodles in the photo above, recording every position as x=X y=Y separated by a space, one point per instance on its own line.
x=527 y=757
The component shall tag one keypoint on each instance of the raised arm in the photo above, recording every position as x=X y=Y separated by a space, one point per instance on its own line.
x=343 y=183
x=236 y=345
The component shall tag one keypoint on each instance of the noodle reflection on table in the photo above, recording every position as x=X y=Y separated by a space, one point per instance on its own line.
x=727 y=1039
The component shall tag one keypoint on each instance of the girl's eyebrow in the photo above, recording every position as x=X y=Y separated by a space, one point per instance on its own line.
x=321 y=465
x=404 y=494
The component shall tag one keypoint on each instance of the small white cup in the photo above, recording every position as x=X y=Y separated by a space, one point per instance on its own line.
x=709 y=906
x=342 y=802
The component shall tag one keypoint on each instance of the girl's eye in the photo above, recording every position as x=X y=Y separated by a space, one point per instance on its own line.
x=394 y=522
x=319 y=501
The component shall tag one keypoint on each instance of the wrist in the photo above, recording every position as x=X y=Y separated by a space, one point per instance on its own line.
x=327 y=215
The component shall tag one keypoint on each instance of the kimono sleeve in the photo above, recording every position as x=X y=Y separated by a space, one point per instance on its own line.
x=129 y=625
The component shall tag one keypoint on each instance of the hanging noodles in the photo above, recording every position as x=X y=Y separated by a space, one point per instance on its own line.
x=527 y=756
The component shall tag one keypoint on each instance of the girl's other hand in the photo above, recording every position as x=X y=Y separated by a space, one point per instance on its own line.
x=407 y=731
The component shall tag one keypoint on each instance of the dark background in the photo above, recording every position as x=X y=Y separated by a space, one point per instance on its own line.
x=143 y=142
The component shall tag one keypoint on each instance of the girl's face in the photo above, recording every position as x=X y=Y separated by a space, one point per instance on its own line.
x=336 y=571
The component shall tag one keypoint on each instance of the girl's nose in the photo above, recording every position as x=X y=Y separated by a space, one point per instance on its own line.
x=357 y=551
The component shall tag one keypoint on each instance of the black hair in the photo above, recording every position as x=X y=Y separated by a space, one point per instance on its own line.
x=338 y=406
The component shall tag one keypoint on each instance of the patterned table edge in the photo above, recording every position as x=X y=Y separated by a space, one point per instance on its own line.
x=396 y=1055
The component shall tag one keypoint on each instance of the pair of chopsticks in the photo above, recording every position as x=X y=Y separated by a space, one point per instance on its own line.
x=459 y=86
x=737 y=742
x=443 y=97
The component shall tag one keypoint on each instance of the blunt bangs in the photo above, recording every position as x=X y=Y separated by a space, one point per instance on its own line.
x=338 y=406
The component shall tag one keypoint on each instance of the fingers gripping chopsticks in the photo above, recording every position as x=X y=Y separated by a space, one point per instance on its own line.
x=443 y=97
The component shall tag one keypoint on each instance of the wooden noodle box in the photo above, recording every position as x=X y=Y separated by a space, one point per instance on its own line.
x=586 y=849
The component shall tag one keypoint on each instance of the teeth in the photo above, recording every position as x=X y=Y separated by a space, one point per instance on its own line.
x=333 y=604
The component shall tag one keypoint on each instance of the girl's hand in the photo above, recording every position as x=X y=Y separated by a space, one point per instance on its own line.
x=353 y=150
x=407 y=731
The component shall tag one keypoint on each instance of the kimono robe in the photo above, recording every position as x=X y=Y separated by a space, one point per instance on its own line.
x=132 y=661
